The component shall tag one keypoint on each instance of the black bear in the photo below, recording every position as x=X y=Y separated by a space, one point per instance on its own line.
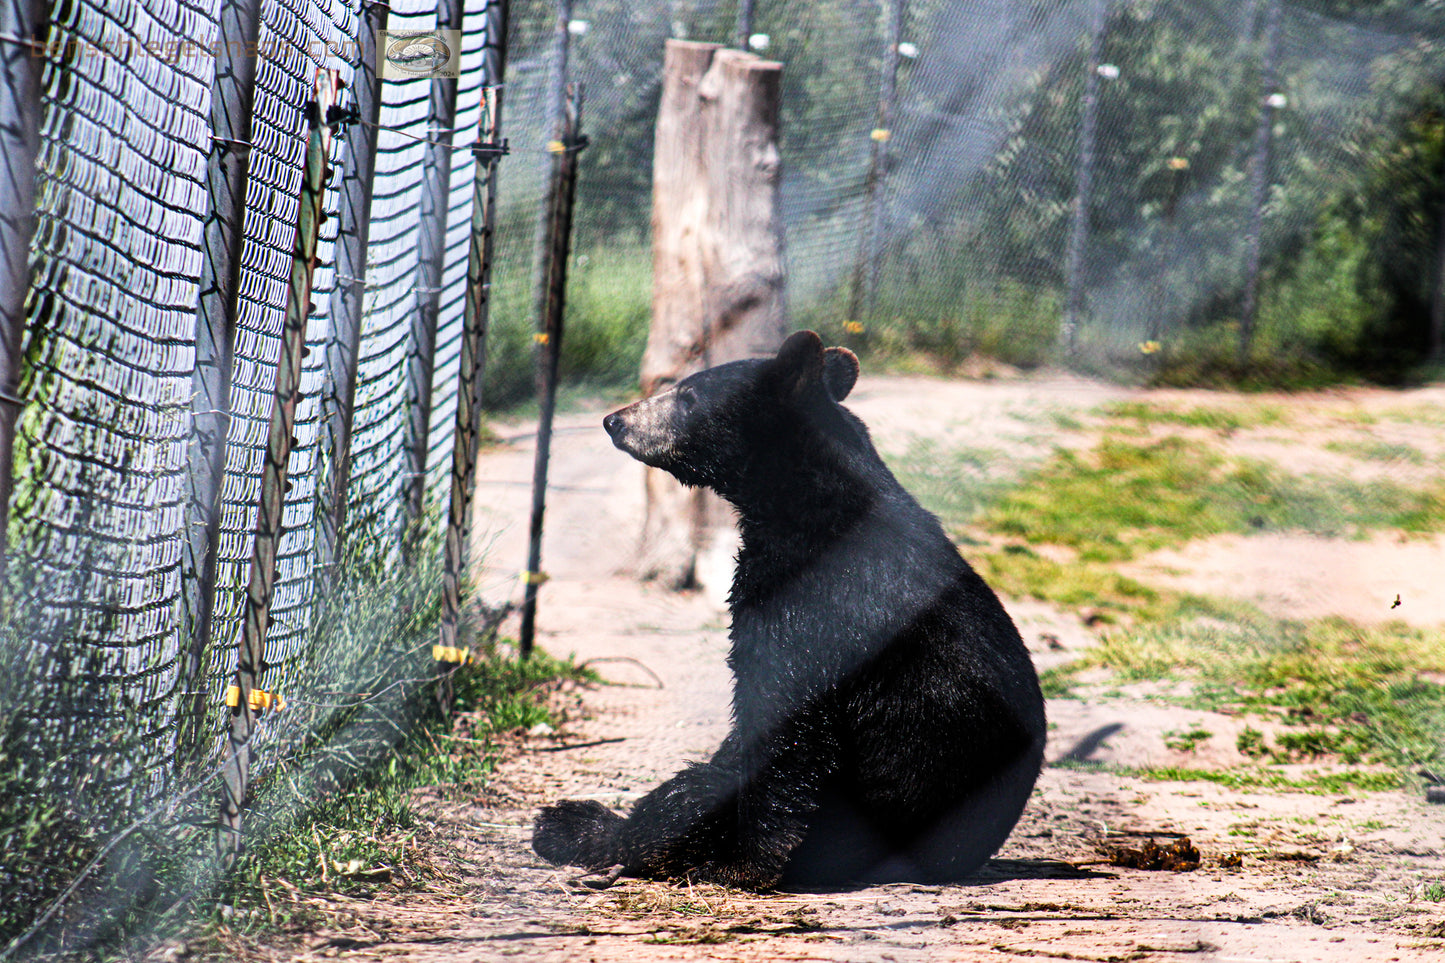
x=888 y=723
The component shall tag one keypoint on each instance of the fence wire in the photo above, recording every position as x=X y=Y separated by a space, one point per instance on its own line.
x=97 y=518
x=959 y=250
x=295 y=38
x=978 y=182
x=92 y=694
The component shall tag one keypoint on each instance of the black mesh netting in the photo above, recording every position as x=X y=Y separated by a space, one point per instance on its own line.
x=1255 y=166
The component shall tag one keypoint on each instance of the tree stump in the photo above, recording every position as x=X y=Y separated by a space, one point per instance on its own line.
x=717 y=248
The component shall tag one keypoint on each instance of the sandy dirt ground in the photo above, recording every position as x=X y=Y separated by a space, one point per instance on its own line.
x=1318 y=877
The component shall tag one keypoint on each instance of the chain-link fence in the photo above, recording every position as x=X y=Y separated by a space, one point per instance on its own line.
x=112 y=713
x=1166 y=186
x=1264 y=167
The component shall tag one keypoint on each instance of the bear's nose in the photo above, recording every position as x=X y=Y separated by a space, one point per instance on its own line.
x=612 y=424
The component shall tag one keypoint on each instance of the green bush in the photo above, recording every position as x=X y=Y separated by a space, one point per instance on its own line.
x=1010 y=322
x=609 y=308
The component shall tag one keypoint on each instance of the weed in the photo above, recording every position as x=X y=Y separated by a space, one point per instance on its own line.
x=1250 y=743
x=1433 y=892
x=509 y=694
x=1314 y=744
x=1186 y=740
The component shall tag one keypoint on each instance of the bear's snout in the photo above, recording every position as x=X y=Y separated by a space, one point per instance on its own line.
x=613 y=425
x=621 y=427
x=640 y=429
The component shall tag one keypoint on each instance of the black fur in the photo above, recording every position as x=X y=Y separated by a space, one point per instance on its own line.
x=888 y=723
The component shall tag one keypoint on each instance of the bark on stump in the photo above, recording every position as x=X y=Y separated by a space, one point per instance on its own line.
x=717 y=242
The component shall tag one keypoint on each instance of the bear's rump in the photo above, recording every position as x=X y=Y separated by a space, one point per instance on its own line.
x=944 y=832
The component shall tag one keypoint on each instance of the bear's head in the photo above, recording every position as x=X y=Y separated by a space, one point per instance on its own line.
x=745 y=419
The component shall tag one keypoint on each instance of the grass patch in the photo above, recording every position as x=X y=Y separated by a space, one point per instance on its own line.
x=1364 y=780
x=1129 y=496
x=1331 y=690
x=1186 y=740
x=1124 y=499
x=1058 y=681
x=609 y=306
x=1224 y=420
x=955 y=483
x=1367 y=450
x=357 y=836
x=1019 y=571
x=1342 y=691
x=1251 y=743
x=1335 y=691
x=503 y=694
x=1065 y=421
x=1418 y=414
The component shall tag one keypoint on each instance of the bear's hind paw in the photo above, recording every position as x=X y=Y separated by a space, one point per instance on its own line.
x=577 y=832
x=737 y=876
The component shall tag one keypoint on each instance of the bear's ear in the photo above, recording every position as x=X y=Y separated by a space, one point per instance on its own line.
x=840 y=372
x=800 y=361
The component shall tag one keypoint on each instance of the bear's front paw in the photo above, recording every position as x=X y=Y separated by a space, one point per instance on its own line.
x=578 y=833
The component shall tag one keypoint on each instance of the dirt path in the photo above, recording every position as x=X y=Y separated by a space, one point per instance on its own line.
x=1321 y=877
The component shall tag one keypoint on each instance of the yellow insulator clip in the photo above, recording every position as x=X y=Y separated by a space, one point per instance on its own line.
x=853 y=327
x=540 y=337
x=260 y=700
x=451 y=653
x=881 y=134
x=555 y=146
x=532 y=578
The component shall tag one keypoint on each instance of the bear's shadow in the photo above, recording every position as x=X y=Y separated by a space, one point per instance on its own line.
x=993 y=872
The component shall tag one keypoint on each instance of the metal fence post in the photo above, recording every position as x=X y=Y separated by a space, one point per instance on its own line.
x=1259 y=173
x=566 y=148
x=488 y=151
x=24 y=24
x=1084 y=183
x=232 y=101
x=421 y=347
x=250 y=655
x=348 y=298
x=866 y=268
x=743 y=27
x=554 y=105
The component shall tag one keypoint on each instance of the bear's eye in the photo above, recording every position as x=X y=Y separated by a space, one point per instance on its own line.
x=686 y=398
